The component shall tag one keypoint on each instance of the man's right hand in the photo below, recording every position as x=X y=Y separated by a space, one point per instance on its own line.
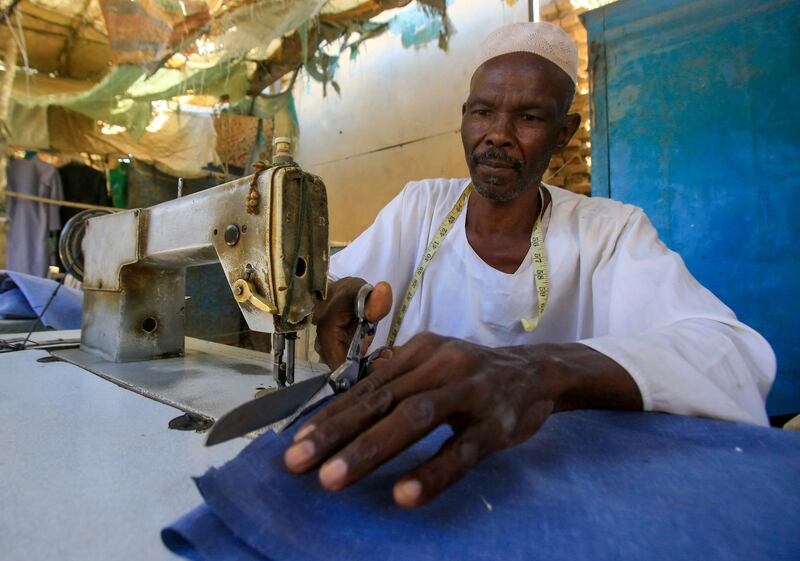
x=336 y=320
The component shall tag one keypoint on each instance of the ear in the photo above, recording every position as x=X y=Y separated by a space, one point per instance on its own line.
x=569 y=125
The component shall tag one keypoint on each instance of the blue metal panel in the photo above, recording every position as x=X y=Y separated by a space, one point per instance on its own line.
x=697 y=120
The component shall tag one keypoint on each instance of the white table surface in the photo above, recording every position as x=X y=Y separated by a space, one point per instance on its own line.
x=89 y=470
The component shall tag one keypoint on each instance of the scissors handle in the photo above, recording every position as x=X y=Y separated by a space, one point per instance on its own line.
x=355 y=366
x=365 y=328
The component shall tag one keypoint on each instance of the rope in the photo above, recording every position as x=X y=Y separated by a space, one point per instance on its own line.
x=41 y=315
x=56 y=202
x=251 y=204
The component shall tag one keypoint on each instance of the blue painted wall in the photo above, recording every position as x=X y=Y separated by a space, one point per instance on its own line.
x=696 y=118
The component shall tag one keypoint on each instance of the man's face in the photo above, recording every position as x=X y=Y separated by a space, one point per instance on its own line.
x=512 y=121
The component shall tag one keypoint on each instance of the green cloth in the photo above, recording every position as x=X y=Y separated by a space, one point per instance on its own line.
x=118 y=178
x=124 y=95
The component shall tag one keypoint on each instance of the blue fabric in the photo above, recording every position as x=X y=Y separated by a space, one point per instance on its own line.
x=590 y=485
x=201 y=535
x=24 y=296
x=13 y=304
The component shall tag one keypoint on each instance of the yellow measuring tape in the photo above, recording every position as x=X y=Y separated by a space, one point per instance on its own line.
x=541 y=276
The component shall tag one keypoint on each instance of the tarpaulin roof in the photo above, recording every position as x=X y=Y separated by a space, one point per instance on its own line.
x=109 y=59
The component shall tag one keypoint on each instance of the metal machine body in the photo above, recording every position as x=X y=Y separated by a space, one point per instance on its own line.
x=281 y=408
x=268 y=231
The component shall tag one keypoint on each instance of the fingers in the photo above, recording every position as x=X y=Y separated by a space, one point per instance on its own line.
x=459 y=455
x=379 y=303
x=332 y=345
x=412 y=419
x=372 y=397
x=381 y=359
x=344 y=420
x=366 y=344
x=384 y=370
x=341 y=403
x=428 y=381
x=404 y=359
x=453 y=461
x=313 y=445
x=336 y=321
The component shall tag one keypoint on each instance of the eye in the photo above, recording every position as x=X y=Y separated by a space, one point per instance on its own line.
x=530 y=118
x=480 y=112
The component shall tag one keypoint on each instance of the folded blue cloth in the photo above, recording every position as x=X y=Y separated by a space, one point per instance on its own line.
x=24 y=296
x=590 y=485
x=210 y=538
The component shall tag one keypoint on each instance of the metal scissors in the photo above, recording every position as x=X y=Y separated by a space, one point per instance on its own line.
x=287 y=404
x=355 y=366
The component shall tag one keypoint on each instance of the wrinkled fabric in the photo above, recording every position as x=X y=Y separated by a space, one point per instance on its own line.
x=614 y=286
x=590 y=485
x=24 y=297
x=181 y=144
x=124 y=96
x=149 y=31
x=28 y=126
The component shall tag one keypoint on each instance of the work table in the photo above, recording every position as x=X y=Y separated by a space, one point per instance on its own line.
x=90 y=470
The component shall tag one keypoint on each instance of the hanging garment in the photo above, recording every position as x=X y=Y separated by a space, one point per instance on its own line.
x=82 y=184
x=31 y=222
x=118 y=180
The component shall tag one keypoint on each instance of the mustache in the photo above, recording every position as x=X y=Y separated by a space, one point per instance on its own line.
x=495 y=154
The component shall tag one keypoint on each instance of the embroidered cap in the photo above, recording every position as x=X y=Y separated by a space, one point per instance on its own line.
x=540 y=38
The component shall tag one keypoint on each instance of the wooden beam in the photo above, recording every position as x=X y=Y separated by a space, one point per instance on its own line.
x=64 y=57
x=10 y=58
x=70 y=204
x=10 y=8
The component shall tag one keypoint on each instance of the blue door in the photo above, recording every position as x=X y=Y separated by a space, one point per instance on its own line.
x=696 y=119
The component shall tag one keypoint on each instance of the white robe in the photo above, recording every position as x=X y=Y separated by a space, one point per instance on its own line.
x=614 y=286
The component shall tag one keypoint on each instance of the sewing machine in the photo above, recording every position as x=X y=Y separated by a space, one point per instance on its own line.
x=82 y=447
x=269 y=232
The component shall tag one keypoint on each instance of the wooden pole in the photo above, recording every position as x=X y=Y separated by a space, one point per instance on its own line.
x=10 y=61
x=70 y=204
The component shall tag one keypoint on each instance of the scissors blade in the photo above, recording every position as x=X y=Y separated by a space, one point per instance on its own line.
x=265 y=410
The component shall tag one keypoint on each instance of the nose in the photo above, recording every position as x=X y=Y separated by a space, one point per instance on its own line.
x=500 y=133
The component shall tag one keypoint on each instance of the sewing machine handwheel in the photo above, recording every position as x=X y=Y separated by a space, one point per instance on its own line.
x=69 y=242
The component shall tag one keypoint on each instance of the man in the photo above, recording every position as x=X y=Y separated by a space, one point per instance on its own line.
x=512 y=301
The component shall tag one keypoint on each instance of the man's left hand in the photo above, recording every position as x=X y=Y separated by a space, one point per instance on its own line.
x=492 y=398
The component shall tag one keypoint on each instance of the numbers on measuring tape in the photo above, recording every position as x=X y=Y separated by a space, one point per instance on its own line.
x=541 y=274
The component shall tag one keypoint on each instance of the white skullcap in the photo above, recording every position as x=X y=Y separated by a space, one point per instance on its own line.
x=540 y=38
